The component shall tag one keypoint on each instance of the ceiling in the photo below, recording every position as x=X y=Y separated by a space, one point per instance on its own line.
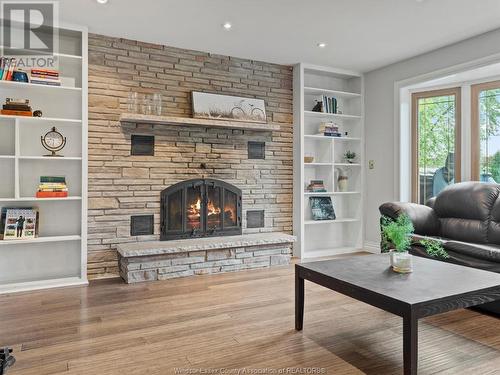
x=361 y=35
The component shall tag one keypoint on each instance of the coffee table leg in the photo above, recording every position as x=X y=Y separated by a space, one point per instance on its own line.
x=410 y=344
x=299 y=301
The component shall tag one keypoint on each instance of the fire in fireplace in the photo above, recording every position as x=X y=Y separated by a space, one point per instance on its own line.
x=200 y=208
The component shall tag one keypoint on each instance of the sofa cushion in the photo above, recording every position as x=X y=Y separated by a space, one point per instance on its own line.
x=464 y=211
x=494 y=225
x=487 y=252
x=423 y=218
x=467 y=200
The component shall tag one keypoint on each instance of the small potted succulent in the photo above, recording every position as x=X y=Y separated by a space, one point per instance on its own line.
x=350 y=157
x=398 y=232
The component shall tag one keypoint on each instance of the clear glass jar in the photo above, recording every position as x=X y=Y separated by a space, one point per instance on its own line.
x=401 y=261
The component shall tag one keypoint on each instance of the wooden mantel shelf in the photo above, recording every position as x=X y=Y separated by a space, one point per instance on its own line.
x=188 y=121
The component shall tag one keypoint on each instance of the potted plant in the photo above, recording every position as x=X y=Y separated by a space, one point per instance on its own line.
x=349 y=156
x=398 y=232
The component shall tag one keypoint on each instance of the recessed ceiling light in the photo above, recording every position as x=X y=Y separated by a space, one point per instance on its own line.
x=321 y=45
x=227 y=25
x=102 y=1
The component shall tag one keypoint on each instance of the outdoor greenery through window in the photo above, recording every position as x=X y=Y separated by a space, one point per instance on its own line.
x=489 y=135
x=436 y=132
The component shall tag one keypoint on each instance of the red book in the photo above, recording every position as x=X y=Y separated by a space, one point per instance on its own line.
x=11 y=112
x=51 y=194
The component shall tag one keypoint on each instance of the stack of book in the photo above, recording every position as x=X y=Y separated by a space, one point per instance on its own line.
x=45 y=77
x=52 y=187
x=329 y=129
x=7 y=66
x=329 y=104
x=17 y=107
x=316 y=186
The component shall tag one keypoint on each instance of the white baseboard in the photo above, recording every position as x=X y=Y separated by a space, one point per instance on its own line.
x=372 y=247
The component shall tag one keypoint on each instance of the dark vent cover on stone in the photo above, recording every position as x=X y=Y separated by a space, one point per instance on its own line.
x=141 y=225
x=143 y=145
x=255 y=219
x=256 y=150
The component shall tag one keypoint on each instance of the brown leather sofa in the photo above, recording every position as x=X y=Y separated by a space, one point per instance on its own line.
x=465 y=218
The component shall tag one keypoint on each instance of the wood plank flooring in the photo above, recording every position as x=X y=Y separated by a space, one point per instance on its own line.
x=232 y=321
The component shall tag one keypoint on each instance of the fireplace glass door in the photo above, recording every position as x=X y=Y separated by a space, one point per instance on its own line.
x=199 y=208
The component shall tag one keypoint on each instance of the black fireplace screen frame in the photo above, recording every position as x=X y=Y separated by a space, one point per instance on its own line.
x=204 y=231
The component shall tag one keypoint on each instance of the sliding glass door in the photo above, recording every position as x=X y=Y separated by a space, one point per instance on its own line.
x=485 y=151
x=435 y=142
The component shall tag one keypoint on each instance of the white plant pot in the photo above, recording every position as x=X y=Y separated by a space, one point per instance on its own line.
x=401 y=262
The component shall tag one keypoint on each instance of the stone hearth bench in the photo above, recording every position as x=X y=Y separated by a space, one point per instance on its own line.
x=162 y=260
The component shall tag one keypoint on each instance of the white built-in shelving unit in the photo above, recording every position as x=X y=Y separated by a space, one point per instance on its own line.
x=345 y=233
x=58 y=256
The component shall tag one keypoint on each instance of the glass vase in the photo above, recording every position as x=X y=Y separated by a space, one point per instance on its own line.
x=401 y=262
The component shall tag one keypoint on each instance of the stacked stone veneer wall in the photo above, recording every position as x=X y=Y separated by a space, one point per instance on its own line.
x=121 y=185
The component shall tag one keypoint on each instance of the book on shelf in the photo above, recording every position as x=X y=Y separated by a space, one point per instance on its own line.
x=7 y=67
x=330 y=104
x=53 y=179
x=16 y=107
x=52 y=187
x=322 y=208
x=45 y=77
x=316 y=186
x=20 y=223
x=329 y=129
x=51 y=194
x=10 y=112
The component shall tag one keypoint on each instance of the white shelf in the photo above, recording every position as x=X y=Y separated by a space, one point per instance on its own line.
x=336 y=221
x=319 y=91
x=329 y=193
x=17 y=85
x=58 y=257
x=328 y=138
x=317 y=164
x=35 y=199
x=41 y=240
x=63 y=55
x=42 y=284
x=331 y=251
x=319 y=238
x=332 y=115
x=347 y=164
x=51 y=158
x=40 y=119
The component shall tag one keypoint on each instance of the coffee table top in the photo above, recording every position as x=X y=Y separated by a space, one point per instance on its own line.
x=431 y=280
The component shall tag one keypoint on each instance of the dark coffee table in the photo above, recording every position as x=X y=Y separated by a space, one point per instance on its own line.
x=434 y=287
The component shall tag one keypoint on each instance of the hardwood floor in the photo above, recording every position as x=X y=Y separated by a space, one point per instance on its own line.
x=234 y=320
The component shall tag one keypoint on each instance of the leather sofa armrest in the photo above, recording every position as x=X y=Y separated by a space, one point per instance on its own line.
x=424 y=218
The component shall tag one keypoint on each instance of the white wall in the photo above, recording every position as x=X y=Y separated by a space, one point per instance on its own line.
x=382 y=134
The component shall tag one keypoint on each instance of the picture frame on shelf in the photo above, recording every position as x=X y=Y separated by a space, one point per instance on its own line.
x=227 y=107
x=322 y=208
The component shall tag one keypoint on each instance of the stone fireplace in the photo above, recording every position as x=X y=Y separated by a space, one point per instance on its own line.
x=132 y=163
x=200 y=208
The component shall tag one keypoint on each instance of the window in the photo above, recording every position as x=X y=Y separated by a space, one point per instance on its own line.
x=485 y=148
x=435 y=142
